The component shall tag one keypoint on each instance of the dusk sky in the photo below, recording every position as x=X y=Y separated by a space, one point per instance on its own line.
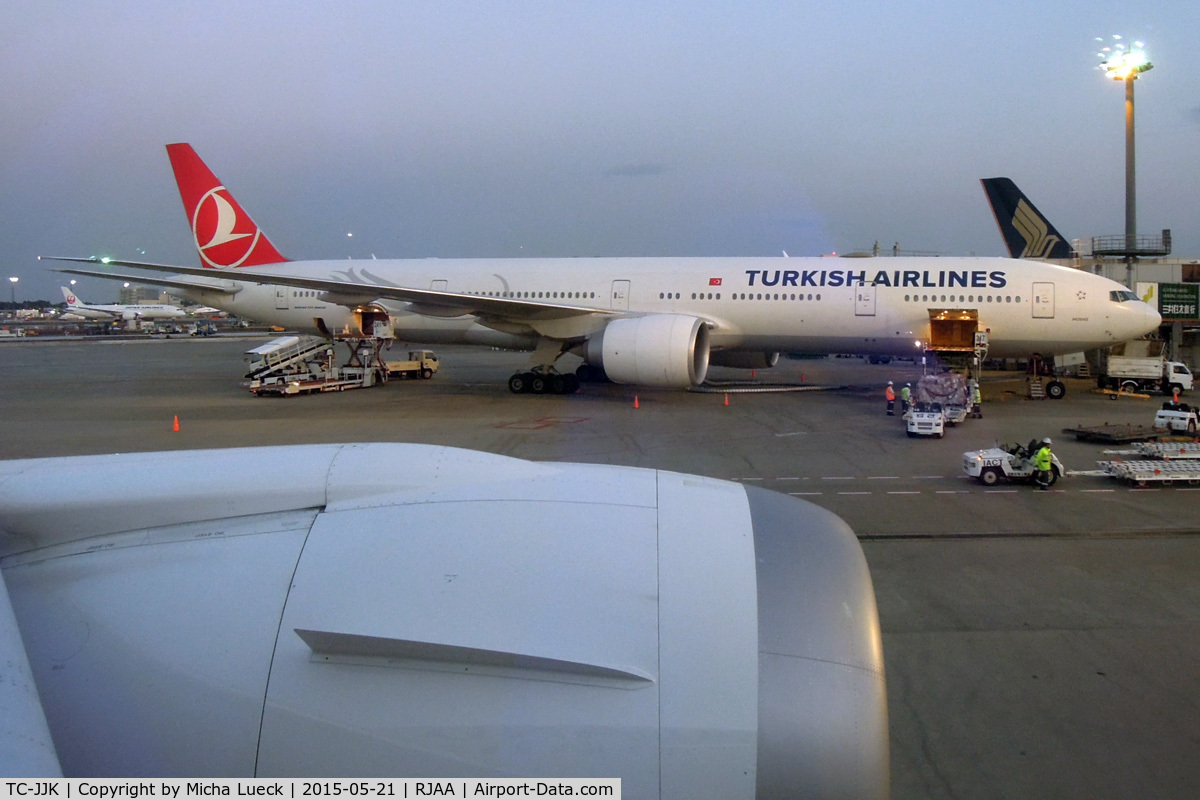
x=580 y=129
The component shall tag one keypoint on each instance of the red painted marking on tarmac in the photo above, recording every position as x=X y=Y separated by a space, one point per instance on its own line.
x=540 y=423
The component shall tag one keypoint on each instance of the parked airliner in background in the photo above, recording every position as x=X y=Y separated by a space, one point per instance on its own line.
x=657 y=322
x=356 y=610
x=115 y=311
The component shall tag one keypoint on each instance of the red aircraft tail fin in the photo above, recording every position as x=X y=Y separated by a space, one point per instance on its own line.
x=225 y=235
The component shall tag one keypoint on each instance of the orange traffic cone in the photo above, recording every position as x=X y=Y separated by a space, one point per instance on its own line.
x=727 y=398
x=802 y=377
x=175 y=425
x=753 y=373
x=635 y=402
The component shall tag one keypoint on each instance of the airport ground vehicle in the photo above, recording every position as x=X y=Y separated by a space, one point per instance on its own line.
x=1142 y=366
x=1177 y=417
x=291 y=365
x=1013 y=462
x=1163 y=463
x=420 y=364
x=949 y=391
x=925 y=419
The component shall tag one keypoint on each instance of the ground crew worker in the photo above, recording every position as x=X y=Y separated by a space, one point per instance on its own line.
x=1041 y=462
x=976 y=400
x=905 y=397
x=891 y=398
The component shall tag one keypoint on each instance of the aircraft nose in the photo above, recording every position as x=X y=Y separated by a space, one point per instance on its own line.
x=1153 y=318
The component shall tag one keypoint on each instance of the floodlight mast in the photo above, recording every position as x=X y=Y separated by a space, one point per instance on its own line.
x=1126 y=65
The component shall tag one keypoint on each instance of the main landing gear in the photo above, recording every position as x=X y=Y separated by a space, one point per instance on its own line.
x=543 y=383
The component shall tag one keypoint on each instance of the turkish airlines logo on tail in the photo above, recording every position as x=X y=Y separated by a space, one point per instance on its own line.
x=714 y=281
x=1033 y=229
x=225 y=236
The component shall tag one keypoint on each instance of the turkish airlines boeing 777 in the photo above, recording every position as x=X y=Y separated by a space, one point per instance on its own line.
x=655 y=322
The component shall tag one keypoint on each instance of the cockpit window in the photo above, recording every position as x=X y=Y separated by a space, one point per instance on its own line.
x=1123 y=296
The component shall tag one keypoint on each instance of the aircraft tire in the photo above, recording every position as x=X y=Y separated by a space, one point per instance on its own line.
x=1055 y=390
x=573 y=384
x=558 y=384
x=539 y=384
x=519 y=383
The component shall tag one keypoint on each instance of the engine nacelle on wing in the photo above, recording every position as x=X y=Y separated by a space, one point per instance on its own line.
x=743 y=360
x=129 y=316
x=667 y=351
x=414 y=611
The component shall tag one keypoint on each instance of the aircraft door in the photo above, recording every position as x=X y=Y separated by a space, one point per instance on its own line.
x=620 y=295
x=864 y=301
x=283 y=297
x=438 y=286
x=1043 y=301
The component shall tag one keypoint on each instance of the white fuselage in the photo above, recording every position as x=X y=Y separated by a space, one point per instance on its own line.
x=128 y=311
x=815 y=305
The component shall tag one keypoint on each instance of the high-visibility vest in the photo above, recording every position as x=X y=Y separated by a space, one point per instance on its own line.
x=1041 y=459
x=891 y=396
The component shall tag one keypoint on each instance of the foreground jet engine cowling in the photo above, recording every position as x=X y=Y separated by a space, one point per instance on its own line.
x=415 y=611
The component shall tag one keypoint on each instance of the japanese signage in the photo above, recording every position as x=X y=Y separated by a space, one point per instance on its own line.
x=1179 y=300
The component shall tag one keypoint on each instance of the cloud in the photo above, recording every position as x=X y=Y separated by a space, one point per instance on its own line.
x=635 y=170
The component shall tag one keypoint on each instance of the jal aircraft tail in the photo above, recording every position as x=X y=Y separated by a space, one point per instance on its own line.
x=225 y=235
x=1027 y=233
x=69 y=296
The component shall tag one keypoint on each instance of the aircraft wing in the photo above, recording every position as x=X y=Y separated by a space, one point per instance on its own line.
x=350 y=293
x=154 y=281
x=692 y=637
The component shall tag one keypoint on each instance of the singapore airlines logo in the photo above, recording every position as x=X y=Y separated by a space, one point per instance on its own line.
x=215 y=224
x=1033 y=229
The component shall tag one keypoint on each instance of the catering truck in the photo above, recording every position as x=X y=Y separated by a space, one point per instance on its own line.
x=1142 y=366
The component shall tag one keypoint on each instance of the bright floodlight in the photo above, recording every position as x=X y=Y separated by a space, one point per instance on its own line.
x=14 y=279
x=1122 y=62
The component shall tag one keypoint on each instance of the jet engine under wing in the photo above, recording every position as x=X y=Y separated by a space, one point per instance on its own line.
x=389 y=609
x=350 y=293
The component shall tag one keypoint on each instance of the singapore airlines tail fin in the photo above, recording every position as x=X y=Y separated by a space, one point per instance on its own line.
x=224 y=234
x=1027 y=233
